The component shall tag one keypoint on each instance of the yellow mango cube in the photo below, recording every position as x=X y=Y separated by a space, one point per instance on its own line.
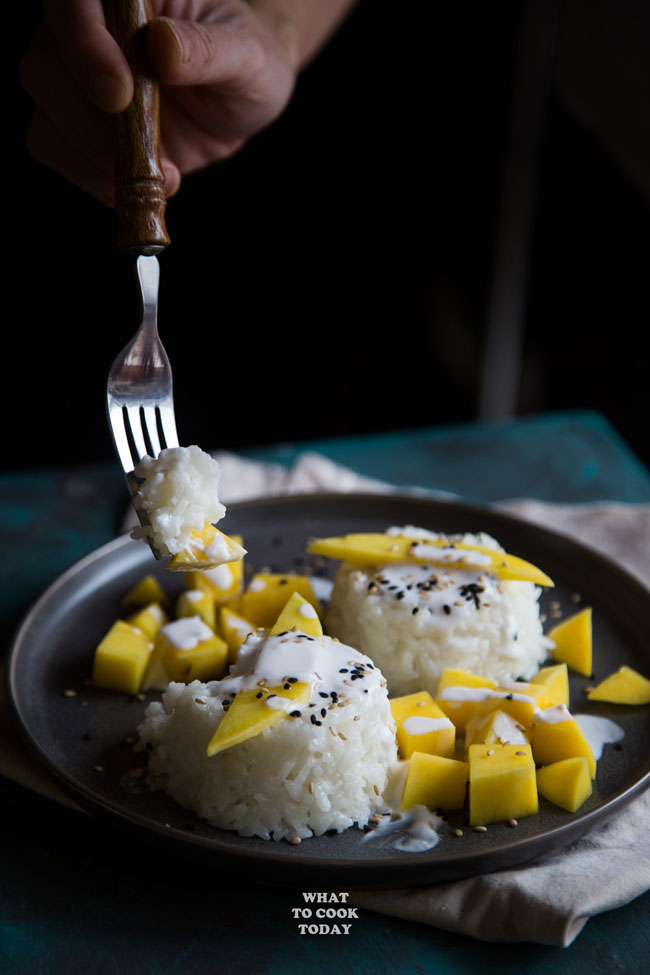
x=557 y=735
x=267 y=594
x=556 y=681
x=149 y=619
x=208 y=547
x=121 y=658
x=573 y=642
x=189 y=650
x=234 y=629
x=497 y=727
x=256 y=709
x=460 y=707
x=502 y=783
x=197 y=602
x=463 y=704
x=566 y=783
x=626 y=686
x=147 y=590
x=422 y=726
x=435 y=781
x=224 y=582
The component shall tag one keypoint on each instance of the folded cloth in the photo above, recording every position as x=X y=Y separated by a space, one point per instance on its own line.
x=550 y=900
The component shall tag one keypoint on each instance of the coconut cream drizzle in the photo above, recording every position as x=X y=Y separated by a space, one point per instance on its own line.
x=187 y=632
x=599 y=732
x=320 y=661
x=423 y=726
x=461 y=694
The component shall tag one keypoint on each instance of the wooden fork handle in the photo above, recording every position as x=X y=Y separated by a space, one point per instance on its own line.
x=138 y=176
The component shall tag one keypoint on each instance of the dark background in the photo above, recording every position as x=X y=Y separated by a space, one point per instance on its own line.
x=335 y=276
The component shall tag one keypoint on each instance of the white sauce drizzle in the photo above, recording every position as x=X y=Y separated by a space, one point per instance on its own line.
x=418 y=827
x=423 y=726
x=187 y=632
x=307 y=611
x=599 y=732
x=457 y=695
x=220 y=576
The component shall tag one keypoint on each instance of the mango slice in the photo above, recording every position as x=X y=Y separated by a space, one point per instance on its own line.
x=556 y=681
x=422 y=726
x=234 y=629
x=367 y=549
x=250 y=715
x=298 y=613
x=435 y=781
x=149 y=619
x=573 y=642
x=625 y=686
x=121 y=658
x=189 y=650
x=197 y=602
x=147 y=590
x=566 y=783
x=502 y=783
x=463 y=704
x=557 y=735
x=208 y=547
x=267 y=594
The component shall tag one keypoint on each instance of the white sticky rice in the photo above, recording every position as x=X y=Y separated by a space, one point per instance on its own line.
x=179 y=492
x=296 y=779
x=415 y=620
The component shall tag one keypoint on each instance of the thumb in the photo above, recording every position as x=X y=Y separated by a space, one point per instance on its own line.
x=185 y=52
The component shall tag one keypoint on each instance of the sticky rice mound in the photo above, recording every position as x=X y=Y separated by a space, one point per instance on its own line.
x=179 y=493
x=324 y=769
x=414 y=620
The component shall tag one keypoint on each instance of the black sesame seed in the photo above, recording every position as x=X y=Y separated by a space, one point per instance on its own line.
x=447 y=609
x=322 y=694
x=399 y=595
x=295 y=714
x=343 y=670
x=259 y=694
x=323 y=712
x=292 y=680
x=415 y=611
x=286 y=686
x=313 y=719
x=508 y=697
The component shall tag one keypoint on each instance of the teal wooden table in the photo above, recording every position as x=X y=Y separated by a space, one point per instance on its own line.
x=79 y=898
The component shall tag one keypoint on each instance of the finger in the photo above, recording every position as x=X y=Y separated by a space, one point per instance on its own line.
x=90 y=52
x=52 y=87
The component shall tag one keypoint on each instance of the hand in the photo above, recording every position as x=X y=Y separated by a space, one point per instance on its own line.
x=225 y=74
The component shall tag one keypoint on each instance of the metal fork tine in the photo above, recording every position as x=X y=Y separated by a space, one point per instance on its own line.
x=151 y=430
x=168 y=424
x=135 y=423
x=120 y=438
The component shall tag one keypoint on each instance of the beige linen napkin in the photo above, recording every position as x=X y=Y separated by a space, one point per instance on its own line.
x=549 y=901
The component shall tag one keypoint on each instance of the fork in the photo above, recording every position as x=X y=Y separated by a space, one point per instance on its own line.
x=139 y=398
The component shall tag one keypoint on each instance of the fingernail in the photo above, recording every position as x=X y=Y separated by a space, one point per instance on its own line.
x=183 y=52
x=109 y=92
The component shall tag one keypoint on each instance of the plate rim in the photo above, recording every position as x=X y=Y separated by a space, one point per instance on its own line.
x=273 y=852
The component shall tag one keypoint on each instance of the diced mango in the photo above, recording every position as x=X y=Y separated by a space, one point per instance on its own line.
x=557 y=735
x=189 y=650
x=147 y=590
x=462 y=704
x=573 y=642
x=267 y=594
x=121 y=658
x=626 y=686
x=208 y=547
x=502 y=783
x=234 y=629
x=457 y=707
x=556 y=681
x=250 y=714
x=435 y=781
x=497 y=727
x=197 y=602
x=566 y=783
x=224 y=582
x=422 y=726
x=149 y=619
x=369 y=548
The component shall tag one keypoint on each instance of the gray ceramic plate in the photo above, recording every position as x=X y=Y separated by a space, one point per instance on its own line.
x=72 y=735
